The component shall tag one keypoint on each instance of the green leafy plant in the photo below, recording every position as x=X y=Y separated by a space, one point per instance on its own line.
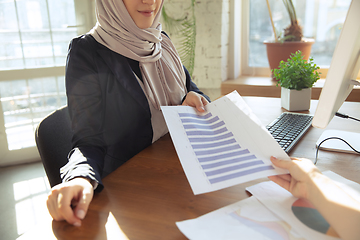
x=296 y=72
x=186 y=27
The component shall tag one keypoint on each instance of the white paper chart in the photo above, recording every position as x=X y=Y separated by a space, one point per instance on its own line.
x=225 y=146
x=271 y=213
x=299 y=213
x=246 y=219
x=216 y=149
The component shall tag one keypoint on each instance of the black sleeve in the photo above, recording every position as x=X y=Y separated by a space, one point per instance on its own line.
x=83 y=91
x=191 y=86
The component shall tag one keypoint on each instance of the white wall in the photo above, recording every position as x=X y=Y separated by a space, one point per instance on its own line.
x=212 y=39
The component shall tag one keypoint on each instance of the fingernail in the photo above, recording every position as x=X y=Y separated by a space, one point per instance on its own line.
x=80 y=214
x=77 y=224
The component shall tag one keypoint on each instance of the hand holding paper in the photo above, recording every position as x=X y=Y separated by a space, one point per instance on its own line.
x=223 y=147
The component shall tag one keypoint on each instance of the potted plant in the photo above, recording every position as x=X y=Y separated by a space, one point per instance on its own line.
x=292 y=40
x=296 y=77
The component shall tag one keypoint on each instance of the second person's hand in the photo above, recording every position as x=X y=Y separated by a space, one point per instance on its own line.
x=301 y=170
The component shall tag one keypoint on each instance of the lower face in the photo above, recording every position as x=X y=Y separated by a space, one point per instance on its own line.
x=143 y=12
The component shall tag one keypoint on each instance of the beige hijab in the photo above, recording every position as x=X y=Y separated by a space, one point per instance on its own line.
x=160 y=65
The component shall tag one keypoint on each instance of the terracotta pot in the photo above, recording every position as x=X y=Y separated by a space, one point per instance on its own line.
x=277 y=51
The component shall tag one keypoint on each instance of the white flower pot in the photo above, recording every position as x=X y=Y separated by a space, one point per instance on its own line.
x=294 y=100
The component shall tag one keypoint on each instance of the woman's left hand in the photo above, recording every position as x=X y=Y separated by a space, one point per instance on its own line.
x=195 y=100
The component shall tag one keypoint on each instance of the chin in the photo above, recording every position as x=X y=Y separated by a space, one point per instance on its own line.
x=144 y=26
x=145 y=23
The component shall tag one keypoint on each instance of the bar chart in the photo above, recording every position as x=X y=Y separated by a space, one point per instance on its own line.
x=219 y=154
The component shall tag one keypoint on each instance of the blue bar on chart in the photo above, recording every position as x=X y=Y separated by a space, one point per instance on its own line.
x=219 y=154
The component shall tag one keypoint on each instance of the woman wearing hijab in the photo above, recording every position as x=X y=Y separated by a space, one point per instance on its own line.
x=117 y=77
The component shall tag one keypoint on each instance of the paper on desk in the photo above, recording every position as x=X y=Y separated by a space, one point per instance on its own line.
x=272 y=212
x=223 y=147
x=300 y=214
x=246 y=219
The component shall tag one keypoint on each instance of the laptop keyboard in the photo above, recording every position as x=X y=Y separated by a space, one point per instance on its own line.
x=288 y=129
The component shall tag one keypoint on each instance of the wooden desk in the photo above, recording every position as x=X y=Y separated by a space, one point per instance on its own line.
x=146 y=196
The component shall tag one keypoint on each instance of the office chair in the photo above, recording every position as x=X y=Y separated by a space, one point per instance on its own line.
x=53 y=140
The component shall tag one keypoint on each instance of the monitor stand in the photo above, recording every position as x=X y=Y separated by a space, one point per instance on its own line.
x=337 y=145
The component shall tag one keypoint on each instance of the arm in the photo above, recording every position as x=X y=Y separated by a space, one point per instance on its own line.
x=70 y=200
x=335 y=205
x=86 y=106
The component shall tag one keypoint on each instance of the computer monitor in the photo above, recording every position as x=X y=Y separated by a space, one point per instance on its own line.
x=343 y=70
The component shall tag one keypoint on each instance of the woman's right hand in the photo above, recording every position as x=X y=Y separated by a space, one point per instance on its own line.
x=70 y=200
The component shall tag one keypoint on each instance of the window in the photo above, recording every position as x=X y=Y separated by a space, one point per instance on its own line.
x=25 y=102
x=321 y=20
x=34 y=39
x=35 y=33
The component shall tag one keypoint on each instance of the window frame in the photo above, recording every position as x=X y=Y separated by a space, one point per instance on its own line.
x=239 y=44
x=85 y=20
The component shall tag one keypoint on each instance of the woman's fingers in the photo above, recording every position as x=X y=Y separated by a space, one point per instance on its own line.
x=83 y=203
x=63 y=197
x=64 y=207
x=195 y=100
x=281 y=163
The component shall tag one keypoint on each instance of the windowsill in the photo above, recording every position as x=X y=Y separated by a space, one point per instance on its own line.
x=266 y=87
x=29 y=73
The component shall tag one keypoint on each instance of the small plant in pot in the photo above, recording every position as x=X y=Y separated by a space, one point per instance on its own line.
x=296 y=77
